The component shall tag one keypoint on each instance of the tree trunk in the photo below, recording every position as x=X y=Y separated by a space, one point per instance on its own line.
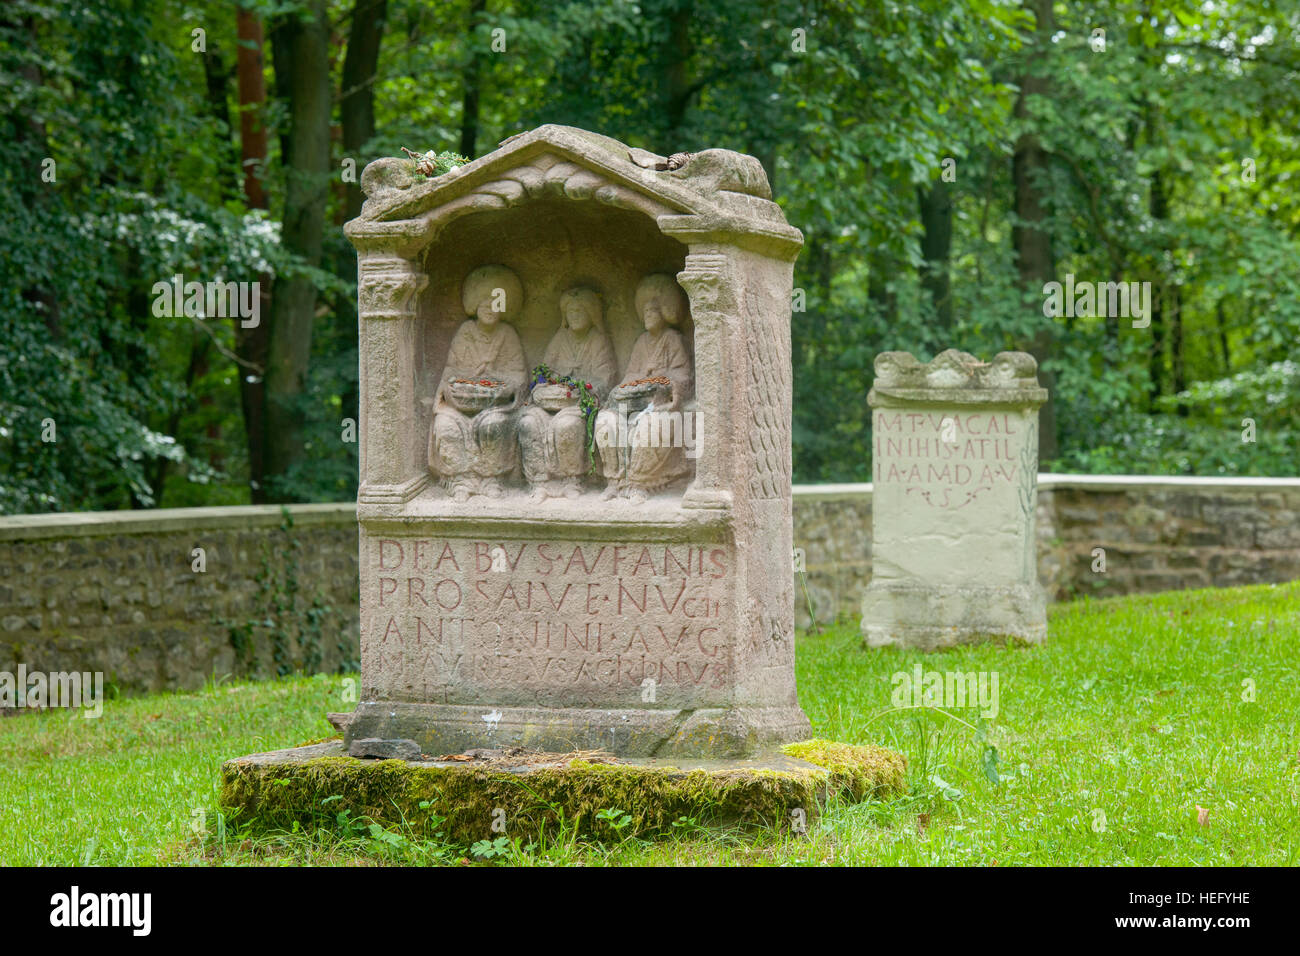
x=251 y=344
x=1111 y=349
x=1177 y=366
x=1220 y=315
x=216 y=80
x=1156 y=350
x=282 y=72
x=473 y=73
x=1159 y=207
x=357 y=113
x=881 y=267
x=357 y=105
x=935 y=205
x=1221 y=321
x=1030 y=237
x=306 y=76
x=252 y=101
x=676 y=85
x=200 y=344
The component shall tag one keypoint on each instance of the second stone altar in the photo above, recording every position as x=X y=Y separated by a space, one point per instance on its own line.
x=954 y=500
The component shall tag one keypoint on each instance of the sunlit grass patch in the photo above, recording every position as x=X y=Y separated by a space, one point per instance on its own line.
x=1107 y=740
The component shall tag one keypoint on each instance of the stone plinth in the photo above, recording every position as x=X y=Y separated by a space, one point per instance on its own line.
x=575 y=453
x=954 y=494
x=523 y=794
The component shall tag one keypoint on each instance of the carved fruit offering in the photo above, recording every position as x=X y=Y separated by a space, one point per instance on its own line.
x=640 y=393
x=473 y=395
x=553 y=396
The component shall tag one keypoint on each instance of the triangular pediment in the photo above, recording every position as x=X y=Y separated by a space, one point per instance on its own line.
x=715 y=188
x=550 y=160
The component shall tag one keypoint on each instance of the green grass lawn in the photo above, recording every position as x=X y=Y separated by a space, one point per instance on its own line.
x=1107 y=740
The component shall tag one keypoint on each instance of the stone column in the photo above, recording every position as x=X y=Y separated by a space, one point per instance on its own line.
x=388 y=297
x=955 y=471
x=706 y=281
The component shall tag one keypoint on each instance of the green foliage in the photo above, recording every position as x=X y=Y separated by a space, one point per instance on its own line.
x=433 y=164
x=1244 y=424
x=294 y=635
x=1171 y=158
x=588 y=402
x=487 y=849
x=617 y=820
x=94 y=152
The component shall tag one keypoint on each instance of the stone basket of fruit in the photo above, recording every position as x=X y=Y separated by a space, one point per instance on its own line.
x=553 y=396
x=553 y=391
x=637 y=395
x=471 y=396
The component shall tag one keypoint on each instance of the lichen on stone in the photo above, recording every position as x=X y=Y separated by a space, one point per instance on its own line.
x=432 y=164
x=459 y=804
x=539 y=801
x=865 y=771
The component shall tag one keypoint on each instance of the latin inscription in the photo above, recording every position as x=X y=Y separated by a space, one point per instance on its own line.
x=945 y=459
x=440 y=613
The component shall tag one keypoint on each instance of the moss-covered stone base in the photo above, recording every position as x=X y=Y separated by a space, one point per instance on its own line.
x=459 y=799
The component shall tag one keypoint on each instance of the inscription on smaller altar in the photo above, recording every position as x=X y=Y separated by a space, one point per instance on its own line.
x=946 y=460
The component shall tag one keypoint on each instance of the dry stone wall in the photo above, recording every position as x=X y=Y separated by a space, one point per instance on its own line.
x=1157 y=534
x=116 y=591
x=119 y=592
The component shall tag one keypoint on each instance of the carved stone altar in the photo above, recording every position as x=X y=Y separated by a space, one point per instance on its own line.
x=954 y=497
x=536 y=570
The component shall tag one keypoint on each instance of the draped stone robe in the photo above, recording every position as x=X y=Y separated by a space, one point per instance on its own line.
x=638 y=462
x=555 y=446
x=484 y=444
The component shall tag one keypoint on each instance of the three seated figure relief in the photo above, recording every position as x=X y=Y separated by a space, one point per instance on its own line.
x=567 y=422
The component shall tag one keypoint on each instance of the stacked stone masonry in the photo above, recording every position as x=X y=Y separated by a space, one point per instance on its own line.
x=1157 y=534
x=116 y=591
